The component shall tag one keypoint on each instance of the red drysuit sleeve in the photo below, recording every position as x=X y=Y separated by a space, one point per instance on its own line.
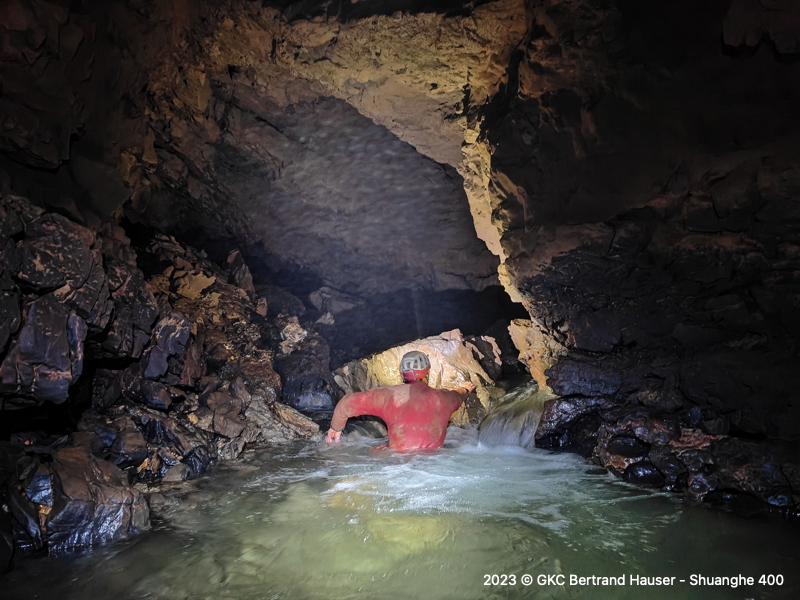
x=371 y=402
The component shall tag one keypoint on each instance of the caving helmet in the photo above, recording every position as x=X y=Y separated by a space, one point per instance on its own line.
x=414 y=366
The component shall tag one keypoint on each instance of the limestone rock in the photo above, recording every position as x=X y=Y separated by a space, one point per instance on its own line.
x=46 y=357
x=96 y=504
x=536 y=349
x=135 y=311
x=239 y=274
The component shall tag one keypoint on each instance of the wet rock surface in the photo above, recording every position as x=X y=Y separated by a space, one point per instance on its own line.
x=187 y=374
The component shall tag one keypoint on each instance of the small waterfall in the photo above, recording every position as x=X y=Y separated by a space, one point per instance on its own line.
x=513 y=422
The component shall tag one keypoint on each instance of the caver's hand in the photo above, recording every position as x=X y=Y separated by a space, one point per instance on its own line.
x=467 y=386
x=333 y=436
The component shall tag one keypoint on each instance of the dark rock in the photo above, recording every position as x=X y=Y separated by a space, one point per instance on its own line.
x=198 y=460
x=176 y=473
x=667 y=399
x=55 y=251
x=6 y=540
x=89 y=298
x=135 y=310
x=46 y=356
x=693 y=335
x=643 y=473
x=239 y=274
x=312 y=392
x=10 y=317
x=94 y=503
x=129 y=449
x=570 y=378
x=700 y=484
x=150 y=393
x=747 y=467
x=26 y=516
x=489 y=354
x=217 y=357
x=89 y=440
x=569 y=422
x=597 y=331
x=106 y=389
x=629 y=447
x=169 y=338
x=40 y=487
x=650 y=430
x=717 y=426
x=194 y=365
x=280 y=301
x=226 y=411
x=668 y=464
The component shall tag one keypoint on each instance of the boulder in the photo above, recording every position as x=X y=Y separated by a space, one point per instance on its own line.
x=563 y=419
x=93 y=502
x=747 y=467
x=55 y=252
x=643 y=473
x=46 y=356
x=135 y=311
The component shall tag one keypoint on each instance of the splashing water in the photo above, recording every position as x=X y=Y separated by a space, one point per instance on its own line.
x=513 y=422
x=346 y=522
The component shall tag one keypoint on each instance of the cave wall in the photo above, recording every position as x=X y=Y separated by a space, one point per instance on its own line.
x=643 y=170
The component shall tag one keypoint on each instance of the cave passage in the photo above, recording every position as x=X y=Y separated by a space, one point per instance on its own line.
x=216 y=218
x=321 y=522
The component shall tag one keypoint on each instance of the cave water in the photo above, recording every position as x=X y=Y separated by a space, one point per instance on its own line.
x=319 y=521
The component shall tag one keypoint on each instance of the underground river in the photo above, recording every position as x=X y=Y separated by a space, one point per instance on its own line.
x=342 y=521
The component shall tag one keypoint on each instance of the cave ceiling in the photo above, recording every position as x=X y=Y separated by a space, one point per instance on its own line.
x=312 y=138
x=381 y=145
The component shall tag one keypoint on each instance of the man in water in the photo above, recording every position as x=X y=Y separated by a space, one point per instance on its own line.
x=416 y=414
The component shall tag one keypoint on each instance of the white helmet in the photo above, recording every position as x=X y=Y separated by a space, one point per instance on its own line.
x=414 y=366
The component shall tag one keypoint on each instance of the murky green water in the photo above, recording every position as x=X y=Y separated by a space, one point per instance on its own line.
x=344 y=522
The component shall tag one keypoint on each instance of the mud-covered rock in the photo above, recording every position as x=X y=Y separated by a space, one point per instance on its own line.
x=46 y=356
x=94 y=503
x=748 y=467
x=135 y=311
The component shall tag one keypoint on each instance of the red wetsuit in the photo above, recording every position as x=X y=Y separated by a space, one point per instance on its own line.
x=416 y=414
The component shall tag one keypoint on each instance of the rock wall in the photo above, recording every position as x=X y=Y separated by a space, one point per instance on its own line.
x=646 y=214
x=168 y=372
